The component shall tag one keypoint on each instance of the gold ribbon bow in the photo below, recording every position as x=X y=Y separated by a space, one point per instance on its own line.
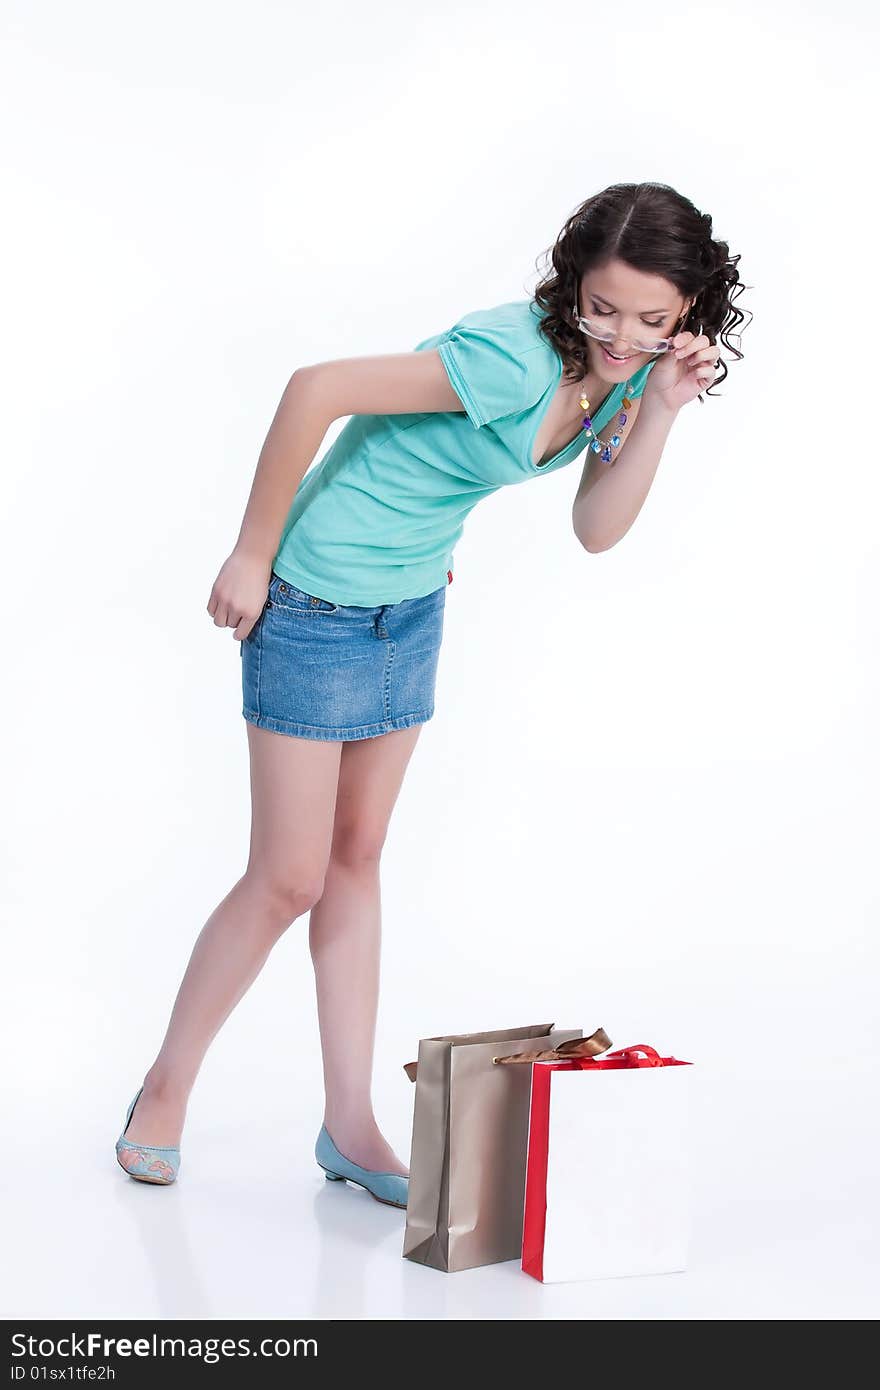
x=574 y=1047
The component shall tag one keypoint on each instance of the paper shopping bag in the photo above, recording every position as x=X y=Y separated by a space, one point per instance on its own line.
x=468 y=1156
x=608 y=1167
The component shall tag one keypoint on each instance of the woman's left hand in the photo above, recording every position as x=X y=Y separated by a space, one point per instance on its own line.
x=683 y=371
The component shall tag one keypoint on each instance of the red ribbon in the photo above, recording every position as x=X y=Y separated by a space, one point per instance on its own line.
x=627 y=1057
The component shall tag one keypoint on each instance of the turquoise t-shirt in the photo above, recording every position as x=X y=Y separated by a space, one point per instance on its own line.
x=377 y=518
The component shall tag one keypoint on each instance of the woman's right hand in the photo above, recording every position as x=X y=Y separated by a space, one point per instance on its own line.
x=239 y=592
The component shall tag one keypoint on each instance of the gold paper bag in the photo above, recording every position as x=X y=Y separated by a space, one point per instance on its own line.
x=469 y=1147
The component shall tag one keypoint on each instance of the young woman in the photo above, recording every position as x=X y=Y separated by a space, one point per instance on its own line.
x=337 y=599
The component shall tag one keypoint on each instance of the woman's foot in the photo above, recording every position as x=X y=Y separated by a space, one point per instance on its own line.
x=158 y=1118
x=365 y=1146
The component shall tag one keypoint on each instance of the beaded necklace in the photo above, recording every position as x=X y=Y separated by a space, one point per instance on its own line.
x=602 y=446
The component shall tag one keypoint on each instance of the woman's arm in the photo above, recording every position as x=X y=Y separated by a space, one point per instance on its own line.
x=315 y=396
x=608 y=502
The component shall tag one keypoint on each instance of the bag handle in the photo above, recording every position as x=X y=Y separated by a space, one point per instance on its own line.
x=574 y=1048
x=584 y=1049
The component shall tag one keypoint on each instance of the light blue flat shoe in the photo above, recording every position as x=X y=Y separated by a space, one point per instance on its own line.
x=146 y=1162
x=390 y=1188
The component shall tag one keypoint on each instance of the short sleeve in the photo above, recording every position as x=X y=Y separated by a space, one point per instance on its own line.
x=493 y=367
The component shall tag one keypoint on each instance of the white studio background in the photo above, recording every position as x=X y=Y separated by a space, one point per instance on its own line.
x=647 y=798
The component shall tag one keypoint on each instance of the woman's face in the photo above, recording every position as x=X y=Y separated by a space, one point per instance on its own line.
x=631 y=305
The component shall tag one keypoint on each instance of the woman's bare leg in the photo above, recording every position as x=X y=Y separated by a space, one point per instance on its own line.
x=293 y=798
x=345 y=937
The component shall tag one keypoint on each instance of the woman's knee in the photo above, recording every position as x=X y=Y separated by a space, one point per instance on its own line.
x=285 y=894
x=357 y=844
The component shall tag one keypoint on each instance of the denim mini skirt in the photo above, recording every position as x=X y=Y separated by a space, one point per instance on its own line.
x=325 y=670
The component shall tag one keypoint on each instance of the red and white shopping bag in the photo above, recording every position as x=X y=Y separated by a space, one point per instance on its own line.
x=608 y=1171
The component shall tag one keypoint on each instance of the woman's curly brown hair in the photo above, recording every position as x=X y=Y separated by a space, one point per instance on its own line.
x=653 y=229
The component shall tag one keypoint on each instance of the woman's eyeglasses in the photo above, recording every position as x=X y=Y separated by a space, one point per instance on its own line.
x=595 y=329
